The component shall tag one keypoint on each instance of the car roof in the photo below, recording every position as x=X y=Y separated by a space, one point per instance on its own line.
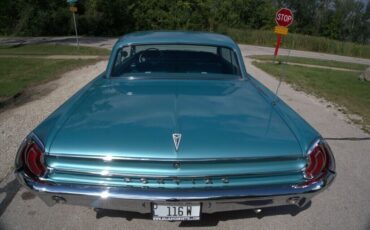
x=180 y=37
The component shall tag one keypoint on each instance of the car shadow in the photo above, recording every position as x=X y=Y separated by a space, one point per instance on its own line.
x=211 y=220
x=10 y=187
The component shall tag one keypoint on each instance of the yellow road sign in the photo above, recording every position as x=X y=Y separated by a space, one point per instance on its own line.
x=281 y=30
x=73 y=9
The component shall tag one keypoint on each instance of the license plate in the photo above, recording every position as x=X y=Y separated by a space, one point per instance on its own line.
x=176 y=211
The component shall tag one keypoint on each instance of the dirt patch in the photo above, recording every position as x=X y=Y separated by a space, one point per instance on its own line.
x=31 y=213
x=34 y=105
x=30 y=94
x=33 y=92
x=28 y=196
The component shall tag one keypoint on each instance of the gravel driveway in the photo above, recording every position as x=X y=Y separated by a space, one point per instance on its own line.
x=17 y=122
x=345 y=205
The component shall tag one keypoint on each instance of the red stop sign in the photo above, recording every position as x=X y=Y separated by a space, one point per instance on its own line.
x=284 y=17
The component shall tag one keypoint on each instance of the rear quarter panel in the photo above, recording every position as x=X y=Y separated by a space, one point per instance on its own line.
x=304 y=132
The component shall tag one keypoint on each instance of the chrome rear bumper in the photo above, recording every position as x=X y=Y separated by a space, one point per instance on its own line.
x=141 y=199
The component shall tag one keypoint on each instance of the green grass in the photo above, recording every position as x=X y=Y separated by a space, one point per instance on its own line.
x=43 y=49
x=17 y=74
x=298 y=42
x=340 y=87
x=312 y=61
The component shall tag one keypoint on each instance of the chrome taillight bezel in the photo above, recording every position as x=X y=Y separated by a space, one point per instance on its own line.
x=20 y=163
x=329 y=158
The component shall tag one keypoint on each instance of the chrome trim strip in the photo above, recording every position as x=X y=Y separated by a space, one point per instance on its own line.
x=148 y=176
x=18 y=162
x=313 y=146
x=139 y=199
x=184 y=194
x=132 y=78
x=35 y=138
x=332 y=165
x=119 y=158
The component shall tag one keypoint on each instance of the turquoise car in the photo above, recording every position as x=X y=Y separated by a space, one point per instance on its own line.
x=175 y=127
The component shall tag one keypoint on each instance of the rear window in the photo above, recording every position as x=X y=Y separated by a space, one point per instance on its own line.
x=186 y=60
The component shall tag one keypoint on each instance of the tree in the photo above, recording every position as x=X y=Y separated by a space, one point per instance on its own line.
x=338 y=19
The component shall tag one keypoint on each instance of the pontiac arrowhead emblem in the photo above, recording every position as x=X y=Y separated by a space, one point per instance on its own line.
x=176 y=140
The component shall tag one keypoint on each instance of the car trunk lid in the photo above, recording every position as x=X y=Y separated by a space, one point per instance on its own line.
x=121 y=134
x=216 y=119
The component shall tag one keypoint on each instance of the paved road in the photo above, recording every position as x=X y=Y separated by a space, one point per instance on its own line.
x=260 y=50
x=311 y=66
x=345 y=205
x=108 y=42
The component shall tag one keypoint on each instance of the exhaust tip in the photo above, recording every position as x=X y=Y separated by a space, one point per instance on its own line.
x=294 y=200
x=257 y=210
x=59 y=200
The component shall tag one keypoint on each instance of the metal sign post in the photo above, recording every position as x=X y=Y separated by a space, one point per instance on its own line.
x=74 y=20
x=73 y=9
x=283 y=19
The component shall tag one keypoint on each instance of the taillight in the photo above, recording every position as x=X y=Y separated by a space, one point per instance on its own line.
x=33 y=160
x=30 y=157
x=318 y=162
